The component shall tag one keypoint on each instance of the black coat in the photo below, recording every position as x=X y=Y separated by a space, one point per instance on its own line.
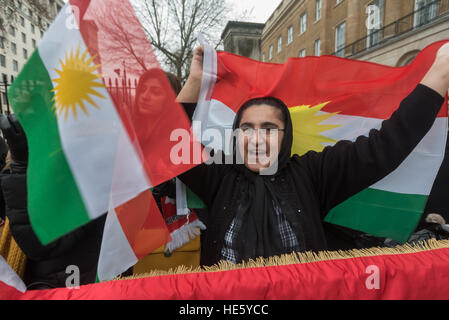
x=318 y=181
x=438 y=198
x=46 y=265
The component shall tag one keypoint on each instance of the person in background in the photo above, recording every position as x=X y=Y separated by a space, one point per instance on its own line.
x=150 y=96
x=45 y=265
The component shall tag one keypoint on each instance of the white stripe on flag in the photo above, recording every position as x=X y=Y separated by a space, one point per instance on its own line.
x=91 y=142
x=116 y=254
x=417 y=172
x=9 y=277
x=181 y=199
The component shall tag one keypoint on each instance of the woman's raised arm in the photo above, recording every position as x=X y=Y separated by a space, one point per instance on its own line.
x=347 y=168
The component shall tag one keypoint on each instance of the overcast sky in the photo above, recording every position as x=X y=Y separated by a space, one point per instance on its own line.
x=260 y=10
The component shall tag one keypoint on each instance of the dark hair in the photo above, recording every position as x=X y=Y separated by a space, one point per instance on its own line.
x=270 y=101
x=174 y=82
x=158 y=73
x=287 y=141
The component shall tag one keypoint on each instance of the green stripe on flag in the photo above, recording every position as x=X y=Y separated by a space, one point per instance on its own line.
x=193 y=201
x=380 y=213
x=54 y=203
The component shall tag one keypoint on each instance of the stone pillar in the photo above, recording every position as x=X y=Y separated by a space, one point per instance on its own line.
x=243 y=38
x=353 y=22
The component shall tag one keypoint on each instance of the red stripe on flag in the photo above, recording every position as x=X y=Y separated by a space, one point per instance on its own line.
x=143 y=224
x=353 y=87
x=114 y=35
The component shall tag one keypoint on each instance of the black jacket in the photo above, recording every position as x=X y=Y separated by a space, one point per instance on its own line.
x=46 y=265
x=438 y=198
x=315 y=183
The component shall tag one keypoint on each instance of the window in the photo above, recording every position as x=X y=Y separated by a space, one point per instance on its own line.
x=34 y=43
x=13 y=48
x=303 y=23
x=290 y=35
x=317 y=47
x=319 y=7
x=33 y=28
x=4 y=97
x=25 y=54
x=270 y=54
x=340 y=39
x=302 y=53
x=425 y=11
x=15 y=66
x=12 y=31
x=263 y=57
x=2 y=61
x=22 y=21
x=24 y=38
x=280 y=44
x=2 y=43
x=374 y=34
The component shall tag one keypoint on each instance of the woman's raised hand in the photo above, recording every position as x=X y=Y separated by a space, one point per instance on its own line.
x=437 y=77
x=196 y=68
x=191 y=90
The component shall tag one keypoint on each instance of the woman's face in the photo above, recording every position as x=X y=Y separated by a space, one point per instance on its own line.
x=152 y=97
x=260 y=136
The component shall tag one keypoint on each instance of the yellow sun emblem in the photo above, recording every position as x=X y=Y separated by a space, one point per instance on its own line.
x=306 y=128
x=76 y=84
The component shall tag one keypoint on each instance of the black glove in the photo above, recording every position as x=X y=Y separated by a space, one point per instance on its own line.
x=17 y=142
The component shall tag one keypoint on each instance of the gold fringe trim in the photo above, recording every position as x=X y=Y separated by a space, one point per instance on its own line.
x=11 y=251
x=5 y=240
x=295 y=258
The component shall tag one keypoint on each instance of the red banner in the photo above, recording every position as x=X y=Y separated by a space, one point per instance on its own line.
x=418 y=275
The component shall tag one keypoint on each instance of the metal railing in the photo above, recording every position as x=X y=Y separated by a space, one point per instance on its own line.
x=122 y=91
x=423 y=16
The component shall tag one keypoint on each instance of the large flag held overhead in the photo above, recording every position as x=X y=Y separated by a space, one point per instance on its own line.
x=98 y=113
x=332 y=99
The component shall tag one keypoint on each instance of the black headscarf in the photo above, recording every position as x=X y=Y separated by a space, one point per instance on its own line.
x=258 y=234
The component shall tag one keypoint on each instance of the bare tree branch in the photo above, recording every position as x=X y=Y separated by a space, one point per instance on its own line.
x=173 y=25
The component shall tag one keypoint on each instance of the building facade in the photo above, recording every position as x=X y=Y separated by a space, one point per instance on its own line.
x=22 y=26
x=390 y=32
x=243 y=38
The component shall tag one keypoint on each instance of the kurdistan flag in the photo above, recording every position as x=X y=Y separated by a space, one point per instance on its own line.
x=332 y=99
x=91 y=150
